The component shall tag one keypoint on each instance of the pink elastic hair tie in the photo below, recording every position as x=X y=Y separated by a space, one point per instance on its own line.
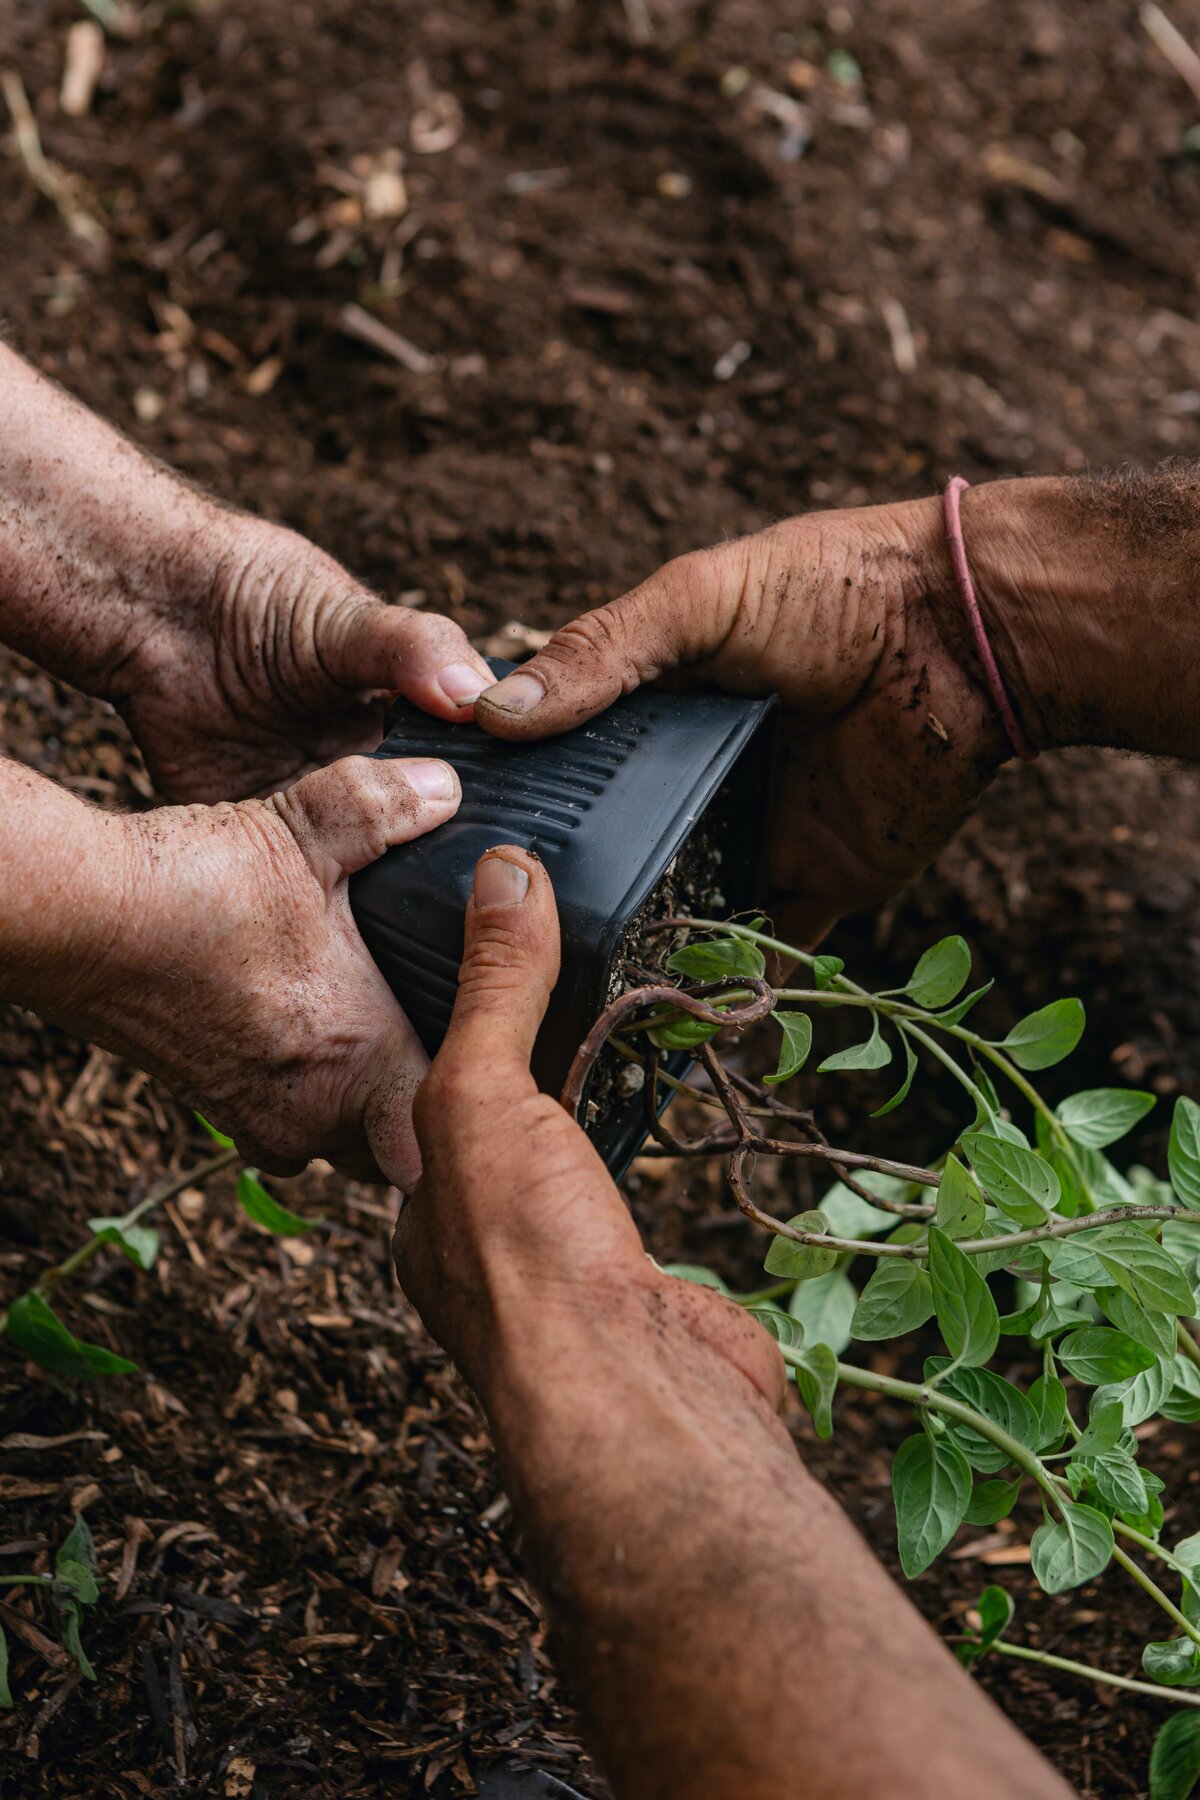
x=966 y=587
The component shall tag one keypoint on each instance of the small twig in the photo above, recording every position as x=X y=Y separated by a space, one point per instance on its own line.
x=50 y=180
x=356 y=322
x=1174 y=46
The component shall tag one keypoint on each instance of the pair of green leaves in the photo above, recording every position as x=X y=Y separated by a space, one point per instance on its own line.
x=903 y=1293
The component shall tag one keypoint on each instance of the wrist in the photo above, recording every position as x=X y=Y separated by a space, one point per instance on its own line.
x=65 y=899
x=1068 y=574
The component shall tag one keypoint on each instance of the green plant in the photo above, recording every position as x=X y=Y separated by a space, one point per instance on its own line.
x=1103 y=1269
x=31 y=1323
x=71 y=1588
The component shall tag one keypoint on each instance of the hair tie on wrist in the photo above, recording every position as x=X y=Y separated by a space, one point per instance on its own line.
x=966 y=587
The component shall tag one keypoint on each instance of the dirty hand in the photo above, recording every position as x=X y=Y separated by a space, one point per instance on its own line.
x=277 y=661
x=215 y=948
x=516 y=1231
x=853 y=619
x=240 y=655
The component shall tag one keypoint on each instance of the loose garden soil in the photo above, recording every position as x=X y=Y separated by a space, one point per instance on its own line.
x=657 y=315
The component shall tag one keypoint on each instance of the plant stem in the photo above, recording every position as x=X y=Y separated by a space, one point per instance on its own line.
x=26 y=1580
x=924 y=1397
x=167 y=1190
x=1155 y=1592
x=1034 y=1234
x=1176 y=1696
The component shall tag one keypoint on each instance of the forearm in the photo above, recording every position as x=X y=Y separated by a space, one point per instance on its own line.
x=714 y=1609
x=1090 y=588
x=98 y=544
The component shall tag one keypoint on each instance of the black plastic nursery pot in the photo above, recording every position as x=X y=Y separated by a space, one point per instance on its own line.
x=656 y=806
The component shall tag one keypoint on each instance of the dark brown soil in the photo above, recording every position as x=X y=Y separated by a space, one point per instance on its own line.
x=326 y=1597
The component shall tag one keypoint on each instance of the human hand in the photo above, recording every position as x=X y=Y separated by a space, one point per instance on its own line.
x=853 y=619
x=516 y=1234
x=229 y=964
x=240 y=655
x=273 y=660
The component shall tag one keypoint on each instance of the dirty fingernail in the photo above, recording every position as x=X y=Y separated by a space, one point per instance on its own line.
x=518 y=693
x=461 y=684
x=432 y=780
x=500 y=883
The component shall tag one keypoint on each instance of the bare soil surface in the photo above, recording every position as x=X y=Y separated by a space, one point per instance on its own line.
x=669 y=291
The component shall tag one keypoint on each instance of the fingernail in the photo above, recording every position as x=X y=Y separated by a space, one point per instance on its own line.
x=432 y=780
x=518 y=693
x=500 y=883
x=461 y=684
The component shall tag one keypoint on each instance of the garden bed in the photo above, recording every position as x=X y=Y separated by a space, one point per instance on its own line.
x=983 y=261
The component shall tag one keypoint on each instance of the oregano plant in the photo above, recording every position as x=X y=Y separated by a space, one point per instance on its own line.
x=1023 y=1243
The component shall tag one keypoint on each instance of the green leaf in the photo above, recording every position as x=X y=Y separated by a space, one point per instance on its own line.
x=954 y=1015
x=1140 y=1395
x=1118 y=1481
x=1071 y=1551
x=41 y=1334
x=1155 y=1330
x=931 y=1486
x=941 y=974
x=1175 y=1758
x=69 y=1612
x=898 y=1298
x=1139 y=1264
x=797 y=1042
x=782 y=1327
x=1183 y=1152
x=695 y=1273
x=1048 y=1398
x=826 y=970
x=1103 y=1431
x=801 y=1262
x=1045 y=1037
x=218 y=1137
x=140 y=1243
x=816 y=1372
x=995 y=1608
x=1100 y=1116
x=1096 y=1354
x=966 y=1312
x=959 y=1202
x=998 y=1400
x=78 y=1546
x=258 y=1205
x=825 y=1308
x=717 y=959
x=992 y=1501
x=901 y=1094
x=684 y=1033
x=874 y=1054
x=1021 y=1182
x=1182 y=1403
x=78 y=1581
x=1175 y=1662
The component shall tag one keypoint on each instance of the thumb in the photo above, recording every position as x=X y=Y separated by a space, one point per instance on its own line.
x=349 y=813
x=510 y=963
x=684 y=614
x=423 y=656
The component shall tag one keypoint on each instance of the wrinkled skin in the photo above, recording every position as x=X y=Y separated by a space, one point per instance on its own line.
x=711 y=1606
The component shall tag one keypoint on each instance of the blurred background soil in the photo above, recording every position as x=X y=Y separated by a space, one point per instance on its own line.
x=633 y=275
